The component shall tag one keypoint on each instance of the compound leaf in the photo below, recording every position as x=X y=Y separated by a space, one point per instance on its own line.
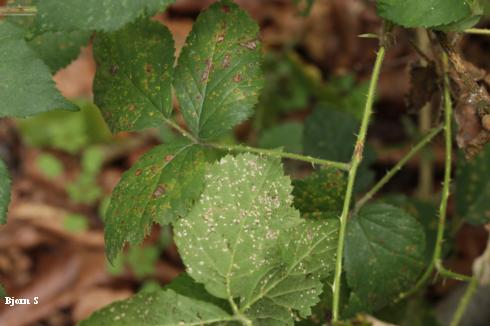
x=244 y=240
x=88 y=15
x=384 y=255
x=164 y=307
x=218 y=76
x=425 y=13
x=26 y=87
x=159 y=188
x=4 y=192
x=132 y=85
x=473 y=189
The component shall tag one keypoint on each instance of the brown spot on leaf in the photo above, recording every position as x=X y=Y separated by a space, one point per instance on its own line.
x=225 y=9
x=159 y=191
x=251 y=45
x=131 y=107
x=220 y=38
x=168 y=158
x=207 y=70
x=138 y=172
x=237 y=78
x=149 y=68
x=226 y=61
x=113 y=70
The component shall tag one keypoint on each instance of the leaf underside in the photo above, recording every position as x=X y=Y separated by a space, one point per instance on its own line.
x=218 y=76
x=164 y=307
x=243 y=240
x=132 y=85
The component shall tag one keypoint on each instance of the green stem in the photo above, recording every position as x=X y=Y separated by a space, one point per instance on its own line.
x=478 y=31
x=394 y=170
x=448 y=113
x=355 y=162
x=276 y=153
x=18 y=11
x=465 y=300
x=436 y=261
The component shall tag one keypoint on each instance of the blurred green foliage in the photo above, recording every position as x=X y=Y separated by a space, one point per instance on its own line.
x=67 y=131
x=49 y=165
x=75 y=223
x=288 y=135
x=85 y=189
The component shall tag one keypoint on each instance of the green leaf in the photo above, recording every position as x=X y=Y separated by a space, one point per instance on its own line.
x=473 y=188
x=322 y=191
x=331 y=134
x=425 y=13
x=89 y=15
x=186 y=286
x=150 y=308
x=59 y=49
x=344 y=93
x=4 y=192
x=288 y=135
x=159 y=188
x=384 y=255
x=132 y=85
x=56 y=49
x=218 y=76
x=243 y=240
x=26 y=87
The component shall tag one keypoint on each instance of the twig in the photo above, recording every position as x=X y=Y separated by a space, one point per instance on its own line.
x=355 y=162
x=478 y=31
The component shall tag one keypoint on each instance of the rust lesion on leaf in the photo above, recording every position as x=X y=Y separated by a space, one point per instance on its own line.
x=160 y=190
x=113 y=69
x=237 y=78
x=251 y=45
x=148 y=68
x=207 y=70
x=226 y=61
